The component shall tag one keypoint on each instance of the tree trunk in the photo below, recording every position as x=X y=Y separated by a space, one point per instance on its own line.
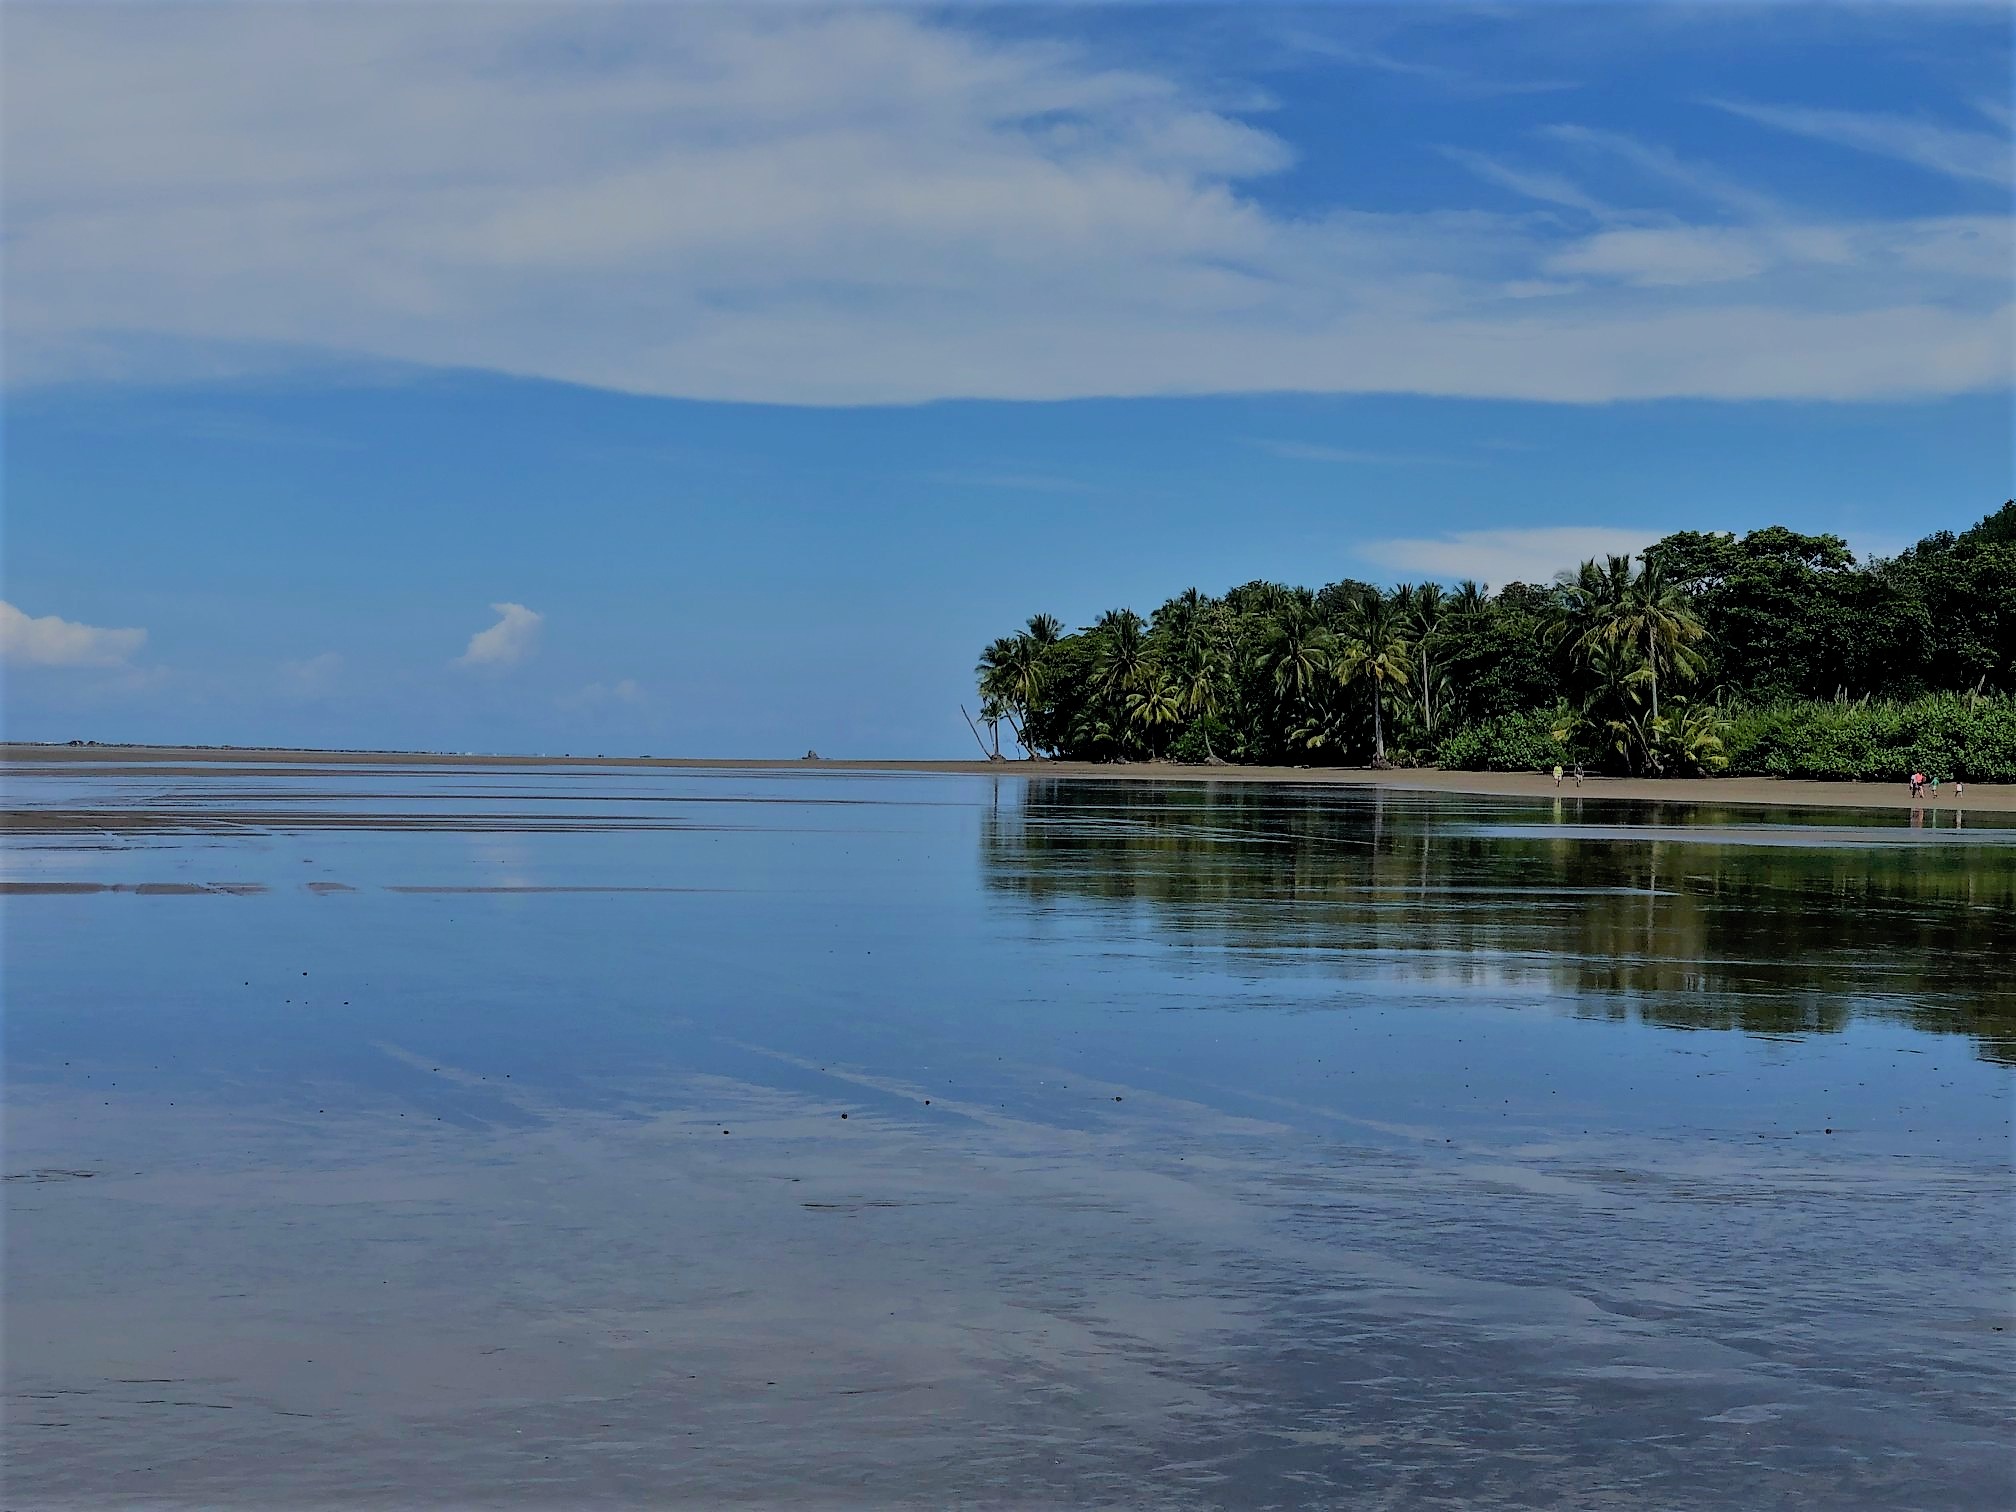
x=1378 y=730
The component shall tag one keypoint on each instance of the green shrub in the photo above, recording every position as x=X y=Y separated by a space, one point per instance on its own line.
x=1946 y=735
x=1518 y=742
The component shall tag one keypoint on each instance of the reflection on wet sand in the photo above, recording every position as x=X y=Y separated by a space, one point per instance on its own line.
x=1705 y=929
x=1196 y=1147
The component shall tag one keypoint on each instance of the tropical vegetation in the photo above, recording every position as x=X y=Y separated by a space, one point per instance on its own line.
x=1774 y=652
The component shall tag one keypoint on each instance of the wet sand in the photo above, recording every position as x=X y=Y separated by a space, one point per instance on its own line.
x=803 y=1135
x=1770 y=792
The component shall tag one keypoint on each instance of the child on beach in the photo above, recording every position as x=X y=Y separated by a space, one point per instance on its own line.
x=1557 y=774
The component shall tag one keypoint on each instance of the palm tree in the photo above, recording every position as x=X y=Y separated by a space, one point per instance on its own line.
x=1625 y=611
x=1297 y=652
x=1424 y=611
x=1156 y=701
x=1374 y=646
x=1011 y=674
x=1587 y=604
x=1045 y=629
x=1189 y=628
x=1123 y=653
x=1659 y=617
x=1201 y=675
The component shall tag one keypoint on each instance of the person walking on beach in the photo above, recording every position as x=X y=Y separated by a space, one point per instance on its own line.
x=1917 y=783
x=1557 y=774
x=1578 y=774
x=1935 y=787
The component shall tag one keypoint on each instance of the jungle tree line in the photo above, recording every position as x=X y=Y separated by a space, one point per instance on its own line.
x=1631 y=664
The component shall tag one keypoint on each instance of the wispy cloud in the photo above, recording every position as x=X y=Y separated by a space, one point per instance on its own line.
x=1984 y=156
x=1655 y=161
x=50 y=641
x=1534 y=183
x=1498 y=557
x=1383 y=60
x=1305 y=451
x=509 y=641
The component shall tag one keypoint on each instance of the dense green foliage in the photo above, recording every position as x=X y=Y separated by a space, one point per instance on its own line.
x=1773 y=652
x=1947 y=734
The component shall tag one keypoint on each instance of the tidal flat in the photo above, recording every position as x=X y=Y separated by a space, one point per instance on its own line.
x=387 y=1134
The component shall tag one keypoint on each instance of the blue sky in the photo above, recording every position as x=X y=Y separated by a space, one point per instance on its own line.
x=763 y=363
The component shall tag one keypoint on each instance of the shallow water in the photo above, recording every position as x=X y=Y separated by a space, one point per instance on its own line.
x=397 y=1137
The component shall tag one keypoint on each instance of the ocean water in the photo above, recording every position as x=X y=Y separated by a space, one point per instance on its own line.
x=402 y=1135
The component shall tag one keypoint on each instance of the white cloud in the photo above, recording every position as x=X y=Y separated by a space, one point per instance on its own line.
x=48 y=641
x=509 y=641
x=1498 y=557
x=1985 y=156
x=843 y=207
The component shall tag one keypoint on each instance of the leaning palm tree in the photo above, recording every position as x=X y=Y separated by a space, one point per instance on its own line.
x=1374 y=646
x=1011 y=674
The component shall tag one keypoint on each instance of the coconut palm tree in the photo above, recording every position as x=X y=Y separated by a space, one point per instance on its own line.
x=1588 y=604
x=1123 y=653
x=1637 y=614
x=1374 y=646
x=1201 y=674
x=1424 y=611
x=1045 y=629
x=1155 y=703
x=1659 y=619
x=1297 y=652
x=1011 y=675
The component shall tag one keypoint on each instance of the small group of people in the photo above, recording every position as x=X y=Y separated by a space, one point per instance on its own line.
x=1558 y=774
x=1920 y=784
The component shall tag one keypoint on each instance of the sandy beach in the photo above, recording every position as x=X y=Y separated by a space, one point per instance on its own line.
x=1768 y=792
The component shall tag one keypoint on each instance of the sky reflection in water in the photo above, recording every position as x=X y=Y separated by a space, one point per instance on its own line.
x=1281 y=1144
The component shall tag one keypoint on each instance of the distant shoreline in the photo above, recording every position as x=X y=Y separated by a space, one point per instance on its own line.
x=1769 y=792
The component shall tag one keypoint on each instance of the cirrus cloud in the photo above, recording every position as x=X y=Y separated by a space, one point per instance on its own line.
x=509 y=641
x=50 y=641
